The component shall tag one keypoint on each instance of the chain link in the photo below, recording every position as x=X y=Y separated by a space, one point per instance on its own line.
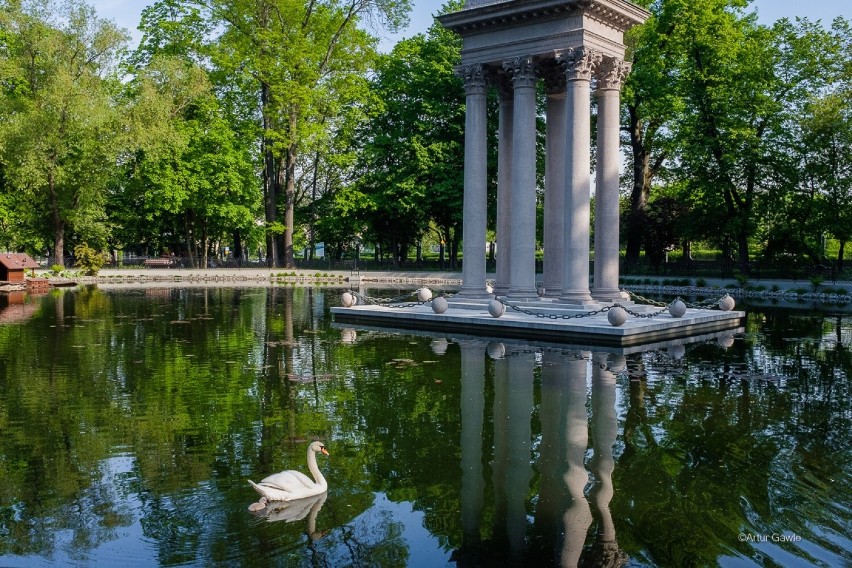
x=707 y=304
x=394 y=302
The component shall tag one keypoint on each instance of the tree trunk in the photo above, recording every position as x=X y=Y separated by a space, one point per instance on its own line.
x=58 y=222
x=640 y=192
x=270 y=178
x=840 y=254
x=290 y=194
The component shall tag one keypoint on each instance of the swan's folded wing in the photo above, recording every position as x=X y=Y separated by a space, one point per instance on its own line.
x=290 y=480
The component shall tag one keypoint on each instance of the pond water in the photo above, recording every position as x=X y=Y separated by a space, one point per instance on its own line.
x=131 y=421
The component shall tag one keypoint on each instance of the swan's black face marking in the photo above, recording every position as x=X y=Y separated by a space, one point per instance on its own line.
x=323 y=450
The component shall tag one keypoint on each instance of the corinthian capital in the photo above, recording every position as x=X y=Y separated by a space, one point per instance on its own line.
x=579 y=63
x=521 y=70
x=611 y=74
x=473 y=76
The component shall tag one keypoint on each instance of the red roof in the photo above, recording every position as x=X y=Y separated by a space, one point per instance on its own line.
x=17 y=261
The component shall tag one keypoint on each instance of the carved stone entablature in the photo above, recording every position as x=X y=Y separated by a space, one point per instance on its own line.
x=474 y=77
x=579 y=63
x=481 y=15
x=522 y=71
x=611 y=73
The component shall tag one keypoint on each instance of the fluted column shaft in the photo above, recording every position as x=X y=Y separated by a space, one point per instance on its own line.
x=475 y=182
x=504 y=189
x=610 y=78
x=522 y=271
x=554 y=184
x=579 y=64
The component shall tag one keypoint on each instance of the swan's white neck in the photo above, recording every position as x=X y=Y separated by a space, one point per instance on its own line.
x=312 y=466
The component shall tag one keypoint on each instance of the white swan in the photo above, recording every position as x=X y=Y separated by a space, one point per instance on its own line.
x=291 y=484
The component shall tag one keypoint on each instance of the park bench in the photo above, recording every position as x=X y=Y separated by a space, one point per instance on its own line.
x=157 y=262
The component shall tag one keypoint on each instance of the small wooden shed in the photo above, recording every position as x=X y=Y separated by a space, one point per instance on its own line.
x=13 y=265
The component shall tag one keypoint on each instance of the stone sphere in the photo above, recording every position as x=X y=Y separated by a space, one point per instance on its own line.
x=439 y=305
x=677 y=351
x=348 y=299
x=616 y=316
x=726 y=304
x=496 y=308
x=677 y=309
x=439 y=346
x=424 y=294
x=496 y=350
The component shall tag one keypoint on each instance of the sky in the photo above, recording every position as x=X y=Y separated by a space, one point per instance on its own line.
x=126 y=14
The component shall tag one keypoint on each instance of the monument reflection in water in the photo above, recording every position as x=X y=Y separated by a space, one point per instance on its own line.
x=131 y=420
x=563 y=512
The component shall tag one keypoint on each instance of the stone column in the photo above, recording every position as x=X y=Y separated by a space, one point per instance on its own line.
x=504 y=186
x=522 y=244
x=578 y=515
x=554 y=183
x=475 y=182
x=472 y=432
x=611 y=75
x=579 y=65
x=604 y=427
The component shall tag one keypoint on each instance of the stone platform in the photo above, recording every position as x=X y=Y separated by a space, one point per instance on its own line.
x=547 y=322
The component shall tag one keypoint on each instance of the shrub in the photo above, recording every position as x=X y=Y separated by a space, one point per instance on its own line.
x=56 y=269
x=700 y=282
x=816 y=280
x=89 y=259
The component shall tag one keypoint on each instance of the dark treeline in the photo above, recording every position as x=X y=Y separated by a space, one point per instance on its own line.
x=259 y=128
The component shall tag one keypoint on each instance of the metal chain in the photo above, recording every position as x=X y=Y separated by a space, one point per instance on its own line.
x=707 y=304
x=665 y=307
x=393 y=302
x=554 y=316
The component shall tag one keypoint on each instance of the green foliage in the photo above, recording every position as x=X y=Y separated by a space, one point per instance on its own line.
x=59 y=117
x=412 y=154
x=89 y=259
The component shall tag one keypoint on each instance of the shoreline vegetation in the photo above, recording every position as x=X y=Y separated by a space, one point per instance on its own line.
x=779 y=290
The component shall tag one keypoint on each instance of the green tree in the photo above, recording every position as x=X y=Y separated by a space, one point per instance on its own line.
x=59 y=121
x=412 y=155
x=191 y=176
x=301 y=57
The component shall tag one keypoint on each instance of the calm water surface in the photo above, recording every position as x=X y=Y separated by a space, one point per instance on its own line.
x=132 y=419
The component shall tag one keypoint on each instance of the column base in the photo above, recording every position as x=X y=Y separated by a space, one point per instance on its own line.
x=522 y=295
x=577 y=297
x=609 y=295
x=474 y=293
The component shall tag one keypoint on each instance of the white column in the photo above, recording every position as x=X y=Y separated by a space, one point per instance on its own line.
x=579 y=65
x=604 y=427
x=522 y=272
x=472 y=432
x=578 y=515
x=504 y=188
x=554 y=184
x=611 y=74
x=475 y=182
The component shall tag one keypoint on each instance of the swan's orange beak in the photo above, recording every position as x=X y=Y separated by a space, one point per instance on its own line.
x=323 y=450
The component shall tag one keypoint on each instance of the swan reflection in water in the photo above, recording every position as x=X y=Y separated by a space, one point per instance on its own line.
x=563 y=512
x=293 y=511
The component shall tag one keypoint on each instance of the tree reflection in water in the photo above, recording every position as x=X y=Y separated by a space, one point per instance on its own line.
x=132 y=419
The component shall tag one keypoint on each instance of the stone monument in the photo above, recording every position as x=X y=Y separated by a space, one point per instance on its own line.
x=571 y=45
